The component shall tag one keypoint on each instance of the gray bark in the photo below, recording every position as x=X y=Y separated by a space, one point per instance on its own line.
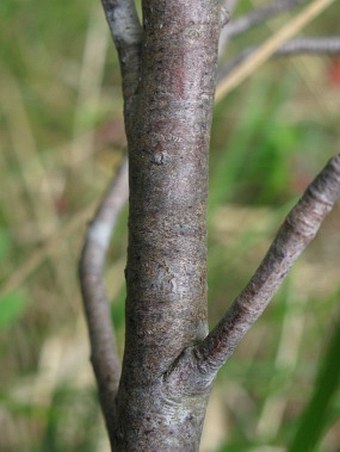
x=166 y=307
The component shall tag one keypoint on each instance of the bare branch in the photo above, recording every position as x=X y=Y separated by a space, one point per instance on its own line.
x=296 y=232
x=104 y=355
x=270 y=46
x=258 y=16
x=325 y=45
x=311 y=46
x=255 y=17
x=126 y=31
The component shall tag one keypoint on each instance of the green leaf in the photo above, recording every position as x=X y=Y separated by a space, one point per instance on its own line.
x=11 y=308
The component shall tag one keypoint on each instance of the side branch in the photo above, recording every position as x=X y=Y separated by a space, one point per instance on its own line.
x=258 y=16
x=270 y=46
x=126 y=31
x=296 y=232
x=196 y=367
x=310 y=46
x=254 y=18
x=325 y=45
x=104 y=355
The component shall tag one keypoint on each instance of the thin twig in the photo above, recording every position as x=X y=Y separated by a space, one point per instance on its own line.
x=325 y=45
x=299 y=228
x=126 y=31
x=310 y=46
x=255 y=17
x=270 y=46
x=104 y=355
x=258 y=16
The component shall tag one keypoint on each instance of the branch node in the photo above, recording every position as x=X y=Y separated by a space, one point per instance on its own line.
x=225 y=17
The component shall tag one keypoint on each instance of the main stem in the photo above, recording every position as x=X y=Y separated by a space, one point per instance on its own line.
x=166 y=309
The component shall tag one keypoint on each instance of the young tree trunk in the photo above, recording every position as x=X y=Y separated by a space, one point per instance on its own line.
x=166 y=308
x=157 y=402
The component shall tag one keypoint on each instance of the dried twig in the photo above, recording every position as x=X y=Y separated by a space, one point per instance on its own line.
x=258 y=16
x=270 y=46
x=310 y=46
x=325 y=45
x=255 y=17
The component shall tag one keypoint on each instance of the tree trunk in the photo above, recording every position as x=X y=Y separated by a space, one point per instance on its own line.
x=166 y=309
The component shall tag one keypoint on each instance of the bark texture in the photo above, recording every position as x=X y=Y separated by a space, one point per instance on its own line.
x=166 y=309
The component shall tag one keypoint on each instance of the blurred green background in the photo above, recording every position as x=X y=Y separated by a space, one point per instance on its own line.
x=62 y=138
